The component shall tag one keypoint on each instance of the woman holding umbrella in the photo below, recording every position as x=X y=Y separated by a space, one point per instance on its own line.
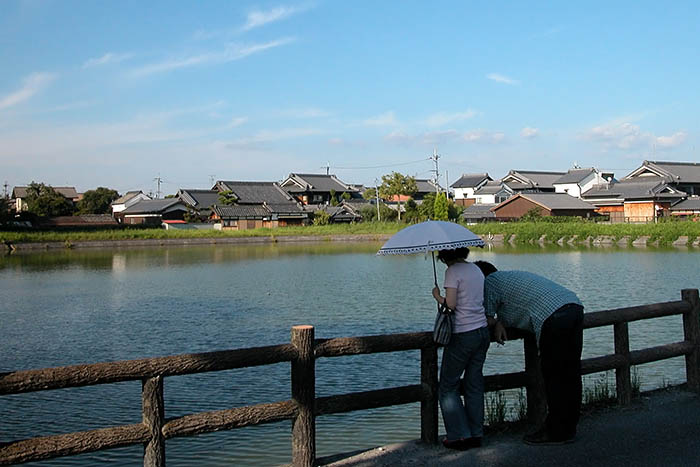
x=465 y=353
x=466 y=350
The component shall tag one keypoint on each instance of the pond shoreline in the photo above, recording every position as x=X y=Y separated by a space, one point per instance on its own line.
x=155 y=242
x=492 y=239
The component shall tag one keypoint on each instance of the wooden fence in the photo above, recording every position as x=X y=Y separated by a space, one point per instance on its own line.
x=304 y=406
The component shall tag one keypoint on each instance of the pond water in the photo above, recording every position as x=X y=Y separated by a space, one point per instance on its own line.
x=80 y=306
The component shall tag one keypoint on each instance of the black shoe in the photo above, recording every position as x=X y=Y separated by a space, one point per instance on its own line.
x=474 y=442
x=461 y=444
x=542 y=438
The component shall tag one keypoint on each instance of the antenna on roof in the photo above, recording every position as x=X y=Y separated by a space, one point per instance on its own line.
x=211 y=179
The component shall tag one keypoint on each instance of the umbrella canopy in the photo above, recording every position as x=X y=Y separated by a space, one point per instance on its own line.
x=430 y=236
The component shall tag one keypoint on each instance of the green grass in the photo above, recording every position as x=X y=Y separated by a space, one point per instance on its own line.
x=526 y=232
x=69 y=237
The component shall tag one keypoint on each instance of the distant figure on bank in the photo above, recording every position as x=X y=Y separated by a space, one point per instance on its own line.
x=465 y=353
x=533 y=303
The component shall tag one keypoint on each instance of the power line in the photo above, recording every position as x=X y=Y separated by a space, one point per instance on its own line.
x=377 y=166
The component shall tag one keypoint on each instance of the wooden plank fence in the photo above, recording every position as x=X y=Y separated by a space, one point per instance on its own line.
x=303 y=408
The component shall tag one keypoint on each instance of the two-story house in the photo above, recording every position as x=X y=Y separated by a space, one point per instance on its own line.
x=577 y=181
x=466 y=185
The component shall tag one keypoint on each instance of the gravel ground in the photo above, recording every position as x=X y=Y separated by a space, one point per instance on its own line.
x=661 y=428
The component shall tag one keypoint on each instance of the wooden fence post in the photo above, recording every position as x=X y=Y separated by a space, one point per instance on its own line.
x=304 y=394
x=429 y=402
x=623 y=381
x=691 y=331
x=536 y=398
x=153 y=417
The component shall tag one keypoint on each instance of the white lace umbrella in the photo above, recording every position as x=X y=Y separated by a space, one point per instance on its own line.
x=430 y=236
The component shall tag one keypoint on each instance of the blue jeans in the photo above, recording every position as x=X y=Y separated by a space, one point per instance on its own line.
x=465 y=353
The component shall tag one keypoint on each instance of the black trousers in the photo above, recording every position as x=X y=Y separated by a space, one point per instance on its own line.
x=561 y=342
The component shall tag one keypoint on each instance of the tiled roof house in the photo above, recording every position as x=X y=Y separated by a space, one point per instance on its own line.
x=531 y=181
x=549 y=204
x=317 y=188
x=640 y=199
x=19 y=195
x=466 y=185
x=684 y=176
x=259 y=204
x=577 y=180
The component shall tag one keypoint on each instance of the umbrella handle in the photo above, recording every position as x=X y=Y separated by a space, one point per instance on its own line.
x=432 y=253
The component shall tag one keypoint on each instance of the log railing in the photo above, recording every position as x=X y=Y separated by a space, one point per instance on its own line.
x=304 y=407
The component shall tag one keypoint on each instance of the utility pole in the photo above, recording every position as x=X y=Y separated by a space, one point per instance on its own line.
x=376 y=194
x=158 y=181
x=436 y=173
x=4 y=190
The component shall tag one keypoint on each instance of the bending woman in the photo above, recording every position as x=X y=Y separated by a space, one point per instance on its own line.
x=465 y=353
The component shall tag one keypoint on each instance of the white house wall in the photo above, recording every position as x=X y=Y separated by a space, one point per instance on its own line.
x=463 y=193
x=571 y=189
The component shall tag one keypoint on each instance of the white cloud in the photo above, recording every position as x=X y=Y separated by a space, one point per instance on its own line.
x=440 y=137
x=259 y=18
x=529 y=132
x=238 y=121
x=106 y=59
x=268 y=136
x=437 y=137
x=672 y=141
x=398 y=137
x=443 y=118
x=483 y=136
x=231 y=53
x=628 y=136
x=385 y=119
x=304 y=113
x=33 y=84
x=502 y=78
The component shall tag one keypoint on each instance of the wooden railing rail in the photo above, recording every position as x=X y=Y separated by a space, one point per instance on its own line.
x=304 y=407
x=129 y=370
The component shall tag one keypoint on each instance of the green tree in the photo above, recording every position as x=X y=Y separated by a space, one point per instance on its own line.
x=346 y=196
x=321 y=218
x=412 y=213
x=426 y=208
x=227 y=198
x=454 y=211
x=532 y=215
x=97 y=201
x=334 y=198
x=440 y=210
x=5 y=214
x=369 y=213
x=43 y=200
x=369 y=194
x=397 y=185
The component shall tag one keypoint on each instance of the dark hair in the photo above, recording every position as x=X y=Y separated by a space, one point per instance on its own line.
x=486 y=267
x=453 y=255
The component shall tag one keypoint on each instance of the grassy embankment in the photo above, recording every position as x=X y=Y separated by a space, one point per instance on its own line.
x=367 y=228
x=525 y=232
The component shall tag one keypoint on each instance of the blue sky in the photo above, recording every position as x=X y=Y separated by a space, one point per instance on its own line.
x=116 y=94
